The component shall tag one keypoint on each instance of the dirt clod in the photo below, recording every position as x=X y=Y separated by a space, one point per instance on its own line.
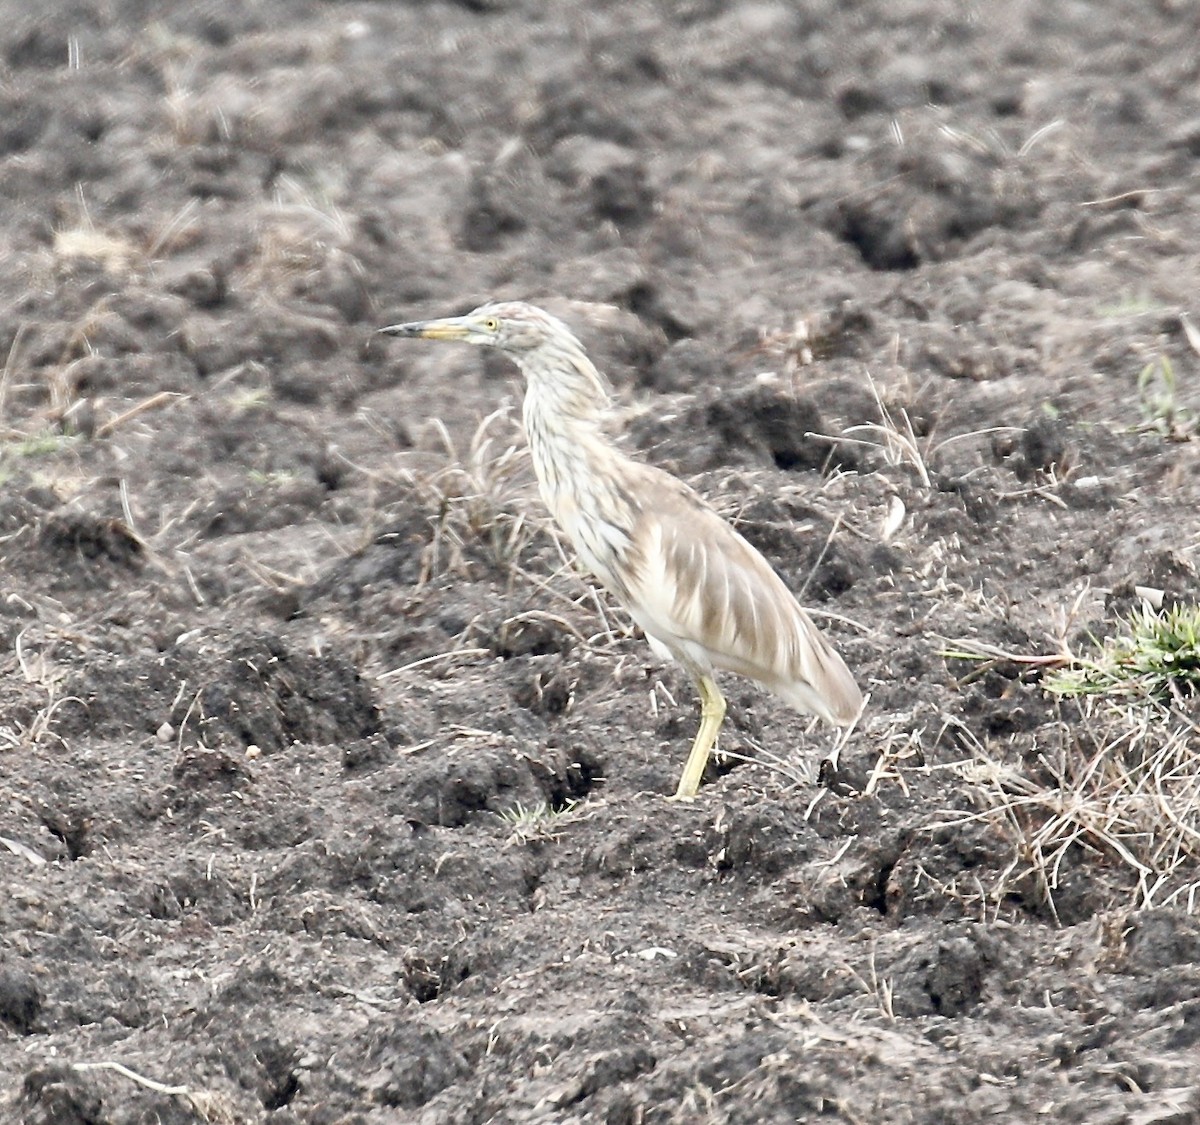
x=332 y=792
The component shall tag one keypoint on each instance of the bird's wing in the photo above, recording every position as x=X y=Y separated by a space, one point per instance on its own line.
x=707 y=594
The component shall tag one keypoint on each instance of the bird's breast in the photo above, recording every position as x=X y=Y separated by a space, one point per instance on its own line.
x=601 y=543
x=583 y=502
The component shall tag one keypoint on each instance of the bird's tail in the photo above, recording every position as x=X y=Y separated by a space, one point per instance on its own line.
x=825 y=688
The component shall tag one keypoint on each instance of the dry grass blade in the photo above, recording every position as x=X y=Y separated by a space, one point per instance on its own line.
x=10 y=359
x=970 y=649
x=476 y=505
x=1121 y=788
x=154 y=402
x=17 y=848
x=473 y=500
x=897 y=440
x=210 y=1107
x=448 y=657
x=133 y=1076
x=797 y=771
x=984 y=657
x=1191 y=332
x=899 y=445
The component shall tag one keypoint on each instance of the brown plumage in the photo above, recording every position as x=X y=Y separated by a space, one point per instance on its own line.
x=701 y=593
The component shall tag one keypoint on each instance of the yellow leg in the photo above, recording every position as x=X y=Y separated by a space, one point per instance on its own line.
x=712 y=714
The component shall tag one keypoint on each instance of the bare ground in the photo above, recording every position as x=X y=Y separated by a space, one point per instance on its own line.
x=331 y=793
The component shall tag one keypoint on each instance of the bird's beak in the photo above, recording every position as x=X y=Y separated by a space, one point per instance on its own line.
x=448 y=328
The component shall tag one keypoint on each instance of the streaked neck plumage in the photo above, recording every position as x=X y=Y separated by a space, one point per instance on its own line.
x=564 y=385
x=578 y=469
x=566 y=401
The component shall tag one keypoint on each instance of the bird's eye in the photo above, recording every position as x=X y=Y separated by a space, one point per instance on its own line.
x=491 y=324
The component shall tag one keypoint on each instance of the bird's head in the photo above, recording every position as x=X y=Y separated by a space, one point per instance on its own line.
x=512 y=326
x=556 y=368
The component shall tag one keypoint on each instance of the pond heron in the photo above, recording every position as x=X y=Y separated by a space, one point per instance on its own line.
x=701 y=593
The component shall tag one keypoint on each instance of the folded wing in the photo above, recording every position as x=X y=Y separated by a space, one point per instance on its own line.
x=709 y=597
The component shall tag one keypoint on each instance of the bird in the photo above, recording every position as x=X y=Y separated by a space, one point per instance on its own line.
x=701 y=593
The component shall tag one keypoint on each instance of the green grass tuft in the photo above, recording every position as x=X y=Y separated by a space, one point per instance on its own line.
x=1158 y=390
x=535 y=822
x=1158 y=660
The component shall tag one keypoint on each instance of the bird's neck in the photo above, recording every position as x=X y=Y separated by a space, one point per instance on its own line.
x=566 y=399
x=564 y=387
x=579 y=471
x=565 y=408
